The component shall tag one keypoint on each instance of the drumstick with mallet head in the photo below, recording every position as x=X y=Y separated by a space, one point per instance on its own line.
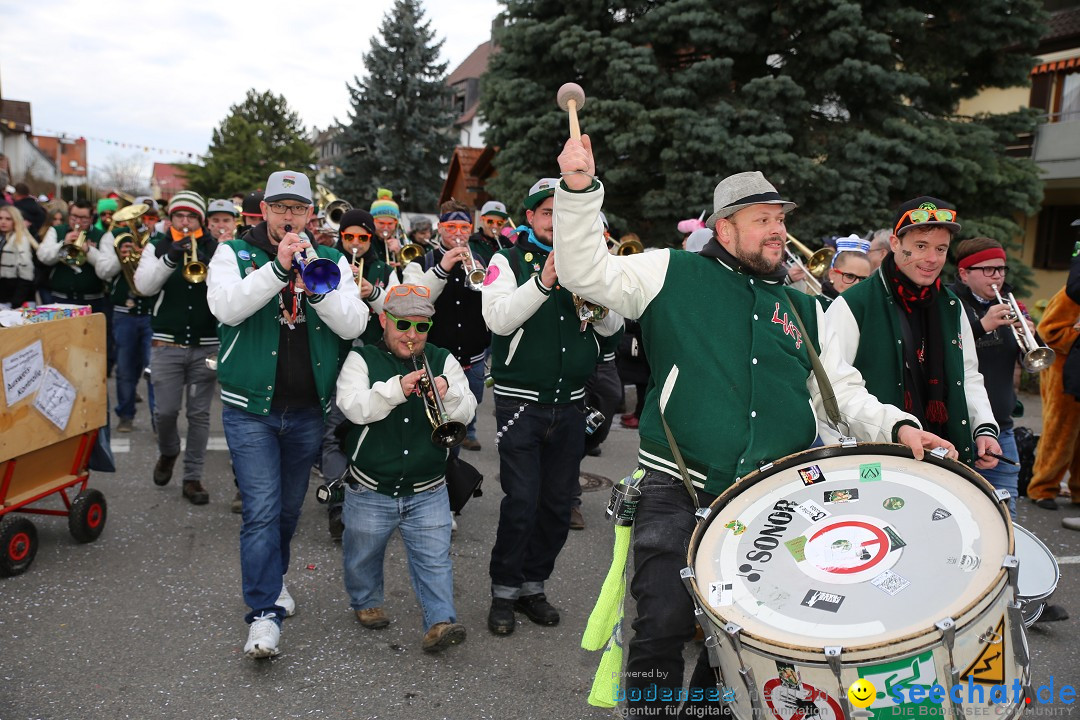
x=570 y=98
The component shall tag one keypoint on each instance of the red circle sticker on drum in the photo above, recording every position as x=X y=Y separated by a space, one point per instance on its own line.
x=799 y=703
x=849 y=549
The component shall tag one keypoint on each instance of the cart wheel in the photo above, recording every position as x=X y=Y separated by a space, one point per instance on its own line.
x=18 y=545
x=86 y=519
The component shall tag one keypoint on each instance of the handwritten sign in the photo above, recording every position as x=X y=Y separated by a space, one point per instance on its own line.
x=55 y=398
x=23 y=371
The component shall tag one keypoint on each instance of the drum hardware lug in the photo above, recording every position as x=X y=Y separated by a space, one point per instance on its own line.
x=848 y=442
x=702 y=513
x=990 y=637
x=750 y=684
x=940 y=452
x=1012 y=566
x=687 y=575
x=1019 y=639
x=947 y=626
x=832 y=656
x=1002 y=495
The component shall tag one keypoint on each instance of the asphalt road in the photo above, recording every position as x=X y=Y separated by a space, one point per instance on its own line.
x=147 y=622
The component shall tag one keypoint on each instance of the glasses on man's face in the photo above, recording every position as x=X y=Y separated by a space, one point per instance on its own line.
x=281 y=209
x=494 y=221
x=422 y=326
x=356 y=237
x=456 y=228
x=79 y=218
x=991 y=270
x=851 y=278
x=184 y=216
x=921 y=215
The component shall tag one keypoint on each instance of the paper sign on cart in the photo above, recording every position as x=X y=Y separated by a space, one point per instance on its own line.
x=23 y=371
x=55 y=398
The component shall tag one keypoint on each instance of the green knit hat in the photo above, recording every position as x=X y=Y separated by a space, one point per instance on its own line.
x=106 y=205
x=385 y=205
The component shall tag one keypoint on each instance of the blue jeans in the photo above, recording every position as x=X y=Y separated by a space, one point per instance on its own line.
x=424 y=523
x=132 y=335
x=665 y=612
x=272 y=456
x=539 y=462
x=1005 y=476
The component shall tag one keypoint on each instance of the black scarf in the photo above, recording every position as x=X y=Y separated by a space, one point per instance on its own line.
x=714 y=249
x=924 y=348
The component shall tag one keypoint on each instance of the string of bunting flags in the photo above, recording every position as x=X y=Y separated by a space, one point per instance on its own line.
x=122 y=144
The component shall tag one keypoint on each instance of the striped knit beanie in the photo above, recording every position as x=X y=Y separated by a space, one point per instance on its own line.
x=188 y=200
x=385 y=205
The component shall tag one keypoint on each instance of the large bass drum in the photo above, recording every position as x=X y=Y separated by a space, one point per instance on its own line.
x=846 y=563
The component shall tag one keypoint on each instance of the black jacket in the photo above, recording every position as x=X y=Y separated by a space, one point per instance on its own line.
x=998 y=353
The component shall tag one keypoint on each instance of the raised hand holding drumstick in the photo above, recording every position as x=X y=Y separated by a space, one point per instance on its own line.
x=576 y=164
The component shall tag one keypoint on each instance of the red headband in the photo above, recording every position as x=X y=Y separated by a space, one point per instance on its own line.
x=987 y=254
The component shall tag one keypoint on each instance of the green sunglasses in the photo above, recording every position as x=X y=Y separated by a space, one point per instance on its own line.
x=422 y=326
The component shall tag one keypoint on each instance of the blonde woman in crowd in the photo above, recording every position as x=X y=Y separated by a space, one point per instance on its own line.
x=17 y=247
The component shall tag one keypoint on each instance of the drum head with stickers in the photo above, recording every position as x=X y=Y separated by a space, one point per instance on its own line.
x=850 y=546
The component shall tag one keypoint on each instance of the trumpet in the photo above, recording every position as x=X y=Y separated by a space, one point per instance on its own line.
x=817 y=262
x=74 y=253
x=334 y=213
x=588 y=312
x=445 y=433
x=1036 y=358
x=320 y=275
x=194 y=269
x=474 y=271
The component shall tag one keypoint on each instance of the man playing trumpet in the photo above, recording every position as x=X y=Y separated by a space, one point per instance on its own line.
x=445 y=270
x=396 y=473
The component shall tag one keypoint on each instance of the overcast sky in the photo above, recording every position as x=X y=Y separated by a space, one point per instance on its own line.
x=165 y=74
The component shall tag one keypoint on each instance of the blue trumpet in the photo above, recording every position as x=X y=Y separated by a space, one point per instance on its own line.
x=320 y=275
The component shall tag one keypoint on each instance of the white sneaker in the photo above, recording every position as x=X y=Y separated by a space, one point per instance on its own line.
x=263 y=637
x=453 y=525
x=285 y=601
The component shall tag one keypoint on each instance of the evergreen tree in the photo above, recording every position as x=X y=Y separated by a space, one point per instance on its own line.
x=397 y=136
x=847 y=107
x=259 y=136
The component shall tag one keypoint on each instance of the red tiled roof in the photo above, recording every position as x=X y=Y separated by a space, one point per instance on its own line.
x=472 y=66
x=164 y=172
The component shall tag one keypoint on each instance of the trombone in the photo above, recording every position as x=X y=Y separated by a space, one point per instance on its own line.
x=628 y=246
x=1036 y=357
x=817 y=262
x=334 y=212
x=445 y=433
x=409 y=251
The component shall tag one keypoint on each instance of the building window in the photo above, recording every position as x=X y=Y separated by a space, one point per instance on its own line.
x=1070 y=98
x=1055 y=237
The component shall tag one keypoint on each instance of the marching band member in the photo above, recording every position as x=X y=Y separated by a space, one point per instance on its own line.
x=387 y=217
x=397 y=474
x=279 y=362
x=251 y=211
x=221 y=220
x=542 y=355
x=461 y=328
x=356 y=231
x=185 y=334
x=761 y=351
x=850 y=265
x=132 y=330
x=932 y=374
x=493 y=218
x=71 y=282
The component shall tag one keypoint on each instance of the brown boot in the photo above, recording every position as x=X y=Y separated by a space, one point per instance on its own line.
x=195 y=492
x=443 y=635
x=372 y=618
x=163 y=469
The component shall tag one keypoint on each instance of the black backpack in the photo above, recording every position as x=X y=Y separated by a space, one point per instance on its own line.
x=1026 y=441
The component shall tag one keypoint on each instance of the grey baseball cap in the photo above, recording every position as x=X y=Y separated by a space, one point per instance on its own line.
x=221 y=206
x=288 y=185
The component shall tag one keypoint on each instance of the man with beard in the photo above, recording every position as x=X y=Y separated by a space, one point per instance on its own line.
x=281 y=346
x=747 y=348
x=541 y=356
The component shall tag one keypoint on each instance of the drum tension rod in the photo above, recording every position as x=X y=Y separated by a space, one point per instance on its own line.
x=833 y=654
x=702 y=513
x=848 y=442
x=745 y=671
x=947 y=626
